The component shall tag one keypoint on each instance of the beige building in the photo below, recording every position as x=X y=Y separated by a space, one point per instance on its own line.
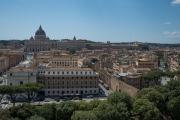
x=15 y=57
x=40 y=42
x=43 y=56
x=63 y=60
x=144 y=63
x=4 y=64
x=59 y=81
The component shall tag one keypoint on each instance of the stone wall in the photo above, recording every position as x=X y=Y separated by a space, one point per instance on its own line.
x=116 y=84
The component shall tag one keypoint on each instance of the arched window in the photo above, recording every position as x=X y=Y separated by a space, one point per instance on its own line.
x=21 y=82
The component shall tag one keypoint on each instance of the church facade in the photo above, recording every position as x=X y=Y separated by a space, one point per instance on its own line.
x=40 y=42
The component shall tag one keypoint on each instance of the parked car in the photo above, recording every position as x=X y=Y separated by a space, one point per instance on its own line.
x=65 y=99
x=4 y=102
x=39 y=99
x=90 y=96
x=57 y=99
x=46 y=100
x=75 y=98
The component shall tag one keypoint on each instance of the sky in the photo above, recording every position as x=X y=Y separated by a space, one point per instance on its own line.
x=153 y=21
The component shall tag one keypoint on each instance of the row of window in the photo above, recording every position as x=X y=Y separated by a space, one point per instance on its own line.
x=146 y=64
x=28 y=73
x=54 y=92
x=71 y=87
x=71 y=77
x=67 y=72
x=72 y=82
x=64 y=62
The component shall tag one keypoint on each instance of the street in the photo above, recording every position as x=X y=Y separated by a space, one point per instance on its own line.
x=7 y=106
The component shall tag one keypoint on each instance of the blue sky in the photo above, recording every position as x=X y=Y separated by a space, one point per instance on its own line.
x=97 y=20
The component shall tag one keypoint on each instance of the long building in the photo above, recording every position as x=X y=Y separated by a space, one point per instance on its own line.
x=59 y=81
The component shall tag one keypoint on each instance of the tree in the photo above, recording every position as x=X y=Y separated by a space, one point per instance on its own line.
x=4 y=114
x=83 y=115
x=94 y=103
x=65 y=110
x=144 y=91
x=105 y=111
x=146 y=110
x=30 y=89
x=173 y=108
x=84 y=106
x=48 y=111
x=147 y=78
x=117 y=112
x=12 y=91
x=100 y=110
x=23 y=111
x=118 y=97
x=156 y=98
x=72 y=51
x=36 y=117
x=94 y=60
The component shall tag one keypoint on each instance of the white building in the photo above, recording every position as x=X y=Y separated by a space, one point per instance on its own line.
x=21 y=75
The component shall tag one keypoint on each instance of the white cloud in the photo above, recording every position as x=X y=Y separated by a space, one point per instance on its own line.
x=174 y=34
x=175 y=2
x=167 y=23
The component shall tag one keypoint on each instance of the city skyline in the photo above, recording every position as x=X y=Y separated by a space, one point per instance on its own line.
x=97 y=20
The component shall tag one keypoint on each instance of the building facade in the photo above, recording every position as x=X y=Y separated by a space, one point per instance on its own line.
x=143 y=63
x=63 y=60
x=20 y=75
x=4 y=64
x=59 y=81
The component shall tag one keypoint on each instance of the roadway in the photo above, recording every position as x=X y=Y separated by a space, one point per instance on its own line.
x=7 y=106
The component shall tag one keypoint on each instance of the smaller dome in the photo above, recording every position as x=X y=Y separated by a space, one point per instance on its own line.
x=40 y=31
x=31 y=38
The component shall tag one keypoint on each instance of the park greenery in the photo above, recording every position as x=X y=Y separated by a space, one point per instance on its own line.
x=153 y=103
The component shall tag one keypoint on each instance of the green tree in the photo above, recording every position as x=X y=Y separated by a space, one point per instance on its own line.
x=72 y=50
x=118 y=112
x=4 y=114
x=144 y=91
x=94 y=60
x=173 y=108
x=156 y=98
x=30 y=89
x=48 y=111
x=106 y=111
x=83 y=106
x=36 y=117
x=94 y=103
x=65 y=110
x=83 y=115
x=146 y=110
x=118 y=97
x=23 y=111
x=100 y=110
x=12 y=91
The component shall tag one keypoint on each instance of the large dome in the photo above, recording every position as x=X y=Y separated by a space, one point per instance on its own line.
x=40 y=31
